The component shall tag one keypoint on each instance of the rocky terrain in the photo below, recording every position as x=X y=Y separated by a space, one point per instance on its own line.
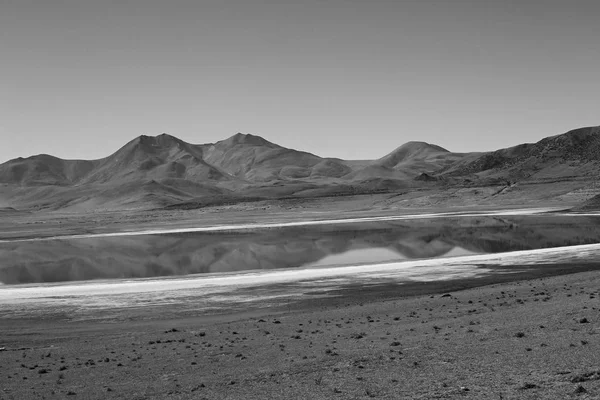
x=525 y=340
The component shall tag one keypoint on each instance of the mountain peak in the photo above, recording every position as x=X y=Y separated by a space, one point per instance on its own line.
x=411 y=151
x=162 y=140
x=247 y=139
x=419 y=146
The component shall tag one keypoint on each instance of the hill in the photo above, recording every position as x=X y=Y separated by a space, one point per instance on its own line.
x=159 y=171
x=155 y=158
x=44 y=169
x=575 y=153
x=255 y=159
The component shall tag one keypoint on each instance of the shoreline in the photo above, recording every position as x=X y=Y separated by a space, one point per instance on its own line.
x=423 y=346
x=301 y=223
x=263 y=288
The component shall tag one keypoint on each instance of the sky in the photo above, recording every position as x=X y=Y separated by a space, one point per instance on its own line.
x=352 y=79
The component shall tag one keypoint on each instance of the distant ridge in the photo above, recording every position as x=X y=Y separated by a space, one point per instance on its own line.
x=247 y=139
x=163 y=170
x=556 y=156
x=419 y=155
x=44 y=169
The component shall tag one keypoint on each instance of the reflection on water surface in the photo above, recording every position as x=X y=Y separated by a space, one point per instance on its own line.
x=377 y=255
x=311 y=246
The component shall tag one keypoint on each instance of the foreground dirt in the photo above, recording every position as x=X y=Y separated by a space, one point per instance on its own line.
x=535 y=339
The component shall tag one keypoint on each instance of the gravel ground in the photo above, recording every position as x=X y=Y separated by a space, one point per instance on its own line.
x=533 y=339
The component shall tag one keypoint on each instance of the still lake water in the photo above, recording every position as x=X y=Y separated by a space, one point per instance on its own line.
x=319 y=246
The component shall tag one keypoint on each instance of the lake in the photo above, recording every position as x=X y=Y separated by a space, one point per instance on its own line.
x=180 y=254
x=237 y=269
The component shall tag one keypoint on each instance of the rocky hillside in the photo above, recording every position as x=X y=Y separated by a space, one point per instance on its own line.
x=574 y=153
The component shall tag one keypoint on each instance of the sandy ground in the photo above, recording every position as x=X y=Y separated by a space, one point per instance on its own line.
x=535 y=339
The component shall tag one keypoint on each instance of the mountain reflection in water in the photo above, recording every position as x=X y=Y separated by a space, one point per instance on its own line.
x=375 y=255
x=311 y=246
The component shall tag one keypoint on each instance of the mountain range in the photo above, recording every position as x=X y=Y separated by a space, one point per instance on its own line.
x=159 y=171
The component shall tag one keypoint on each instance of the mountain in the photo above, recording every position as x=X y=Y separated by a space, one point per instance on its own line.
x=409 y=161
x=253 y=158
x=44 y=169
x=146 y=172
x=155 y=158
x=575 y=153
x=413 y=151
x=159 y=171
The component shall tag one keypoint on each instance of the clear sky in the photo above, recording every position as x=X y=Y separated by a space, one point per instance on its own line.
x=341 y=78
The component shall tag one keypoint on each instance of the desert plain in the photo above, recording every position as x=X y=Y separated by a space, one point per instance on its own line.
x=519 y=322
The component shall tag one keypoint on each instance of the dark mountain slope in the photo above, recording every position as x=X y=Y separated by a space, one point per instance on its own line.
x=155 y=158
x=253 y=158
x=572 y=153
